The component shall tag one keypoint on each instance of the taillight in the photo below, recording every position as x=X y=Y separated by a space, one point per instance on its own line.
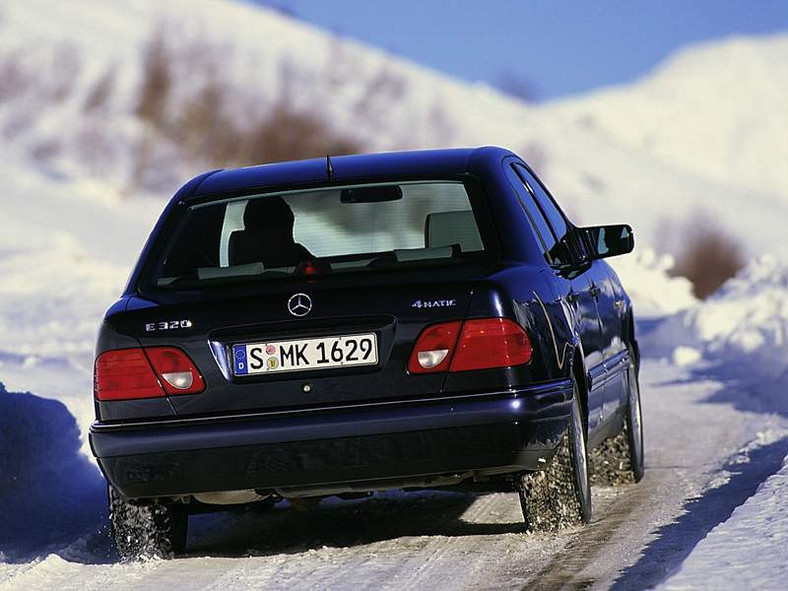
x=491 y=342
x=481 y=343
x=124 y=374
x=127 y=374
x=433 y=349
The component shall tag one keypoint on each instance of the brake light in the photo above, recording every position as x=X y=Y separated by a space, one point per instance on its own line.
x=480 y=343
x=127 y=374
x=431 y=354
x=491 y=342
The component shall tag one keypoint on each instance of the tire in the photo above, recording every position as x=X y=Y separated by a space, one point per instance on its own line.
x=620 y=459
x=147 y=531
x=560 y=495
x=634 y=422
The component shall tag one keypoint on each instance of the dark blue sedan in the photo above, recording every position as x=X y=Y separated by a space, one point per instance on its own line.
x=362 y=323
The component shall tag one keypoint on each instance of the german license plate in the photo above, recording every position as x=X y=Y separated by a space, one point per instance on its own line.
x=305 y=354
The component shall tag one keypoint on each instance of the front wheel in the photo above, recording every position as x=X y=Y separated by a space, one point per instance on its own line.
x=634 y=424
x=560 y=496
x=155 y=530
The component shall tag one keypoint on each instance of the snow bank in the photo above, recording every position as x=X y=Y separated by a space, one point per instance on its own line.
x=741 y=332
x=748 y=550
x=50 y=493
x=748 y=317
x=654 y=292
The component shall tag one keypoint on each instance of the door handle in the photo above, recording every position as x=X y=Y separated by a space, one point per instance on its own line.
x=594 y=291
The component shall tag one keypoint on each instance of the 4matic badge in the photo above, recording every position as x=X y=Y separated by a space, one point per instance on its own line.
x=434 y=304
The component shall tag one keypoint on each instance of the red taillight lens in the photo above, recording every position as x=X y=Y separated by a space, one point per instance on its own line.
x=126 y=374
x=433 y=349
x=177 y=372
x=491 y=342
x=481 y=343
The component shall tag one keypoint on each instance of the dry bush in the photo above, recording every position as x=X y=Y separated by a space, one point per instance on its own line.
x=202 y=128
x=708 y=258
x=97 y=149
x=100 y=94
x=218 y=123
x=157 y=80
x=18 y=123
x=288 y=134
x=46 y=150
x=64 y=72
x=383 y=89
x=45 y=84
x=14 y=81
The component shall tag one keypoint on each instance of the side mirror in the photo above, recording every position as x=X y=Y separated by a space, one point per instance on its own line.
x=609 y=241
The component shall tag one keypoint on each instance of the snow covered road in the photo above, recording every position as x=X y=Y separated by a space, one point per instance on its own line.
x=699 y=469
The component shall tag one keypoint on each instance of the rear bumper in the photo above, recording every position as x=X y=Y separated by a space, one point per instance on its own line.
x=358 y=448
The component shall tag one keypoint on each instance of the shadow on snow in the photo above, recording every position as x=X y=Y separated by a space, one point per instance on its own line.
x=674 y=542
x=50 y=493
x=53 y=499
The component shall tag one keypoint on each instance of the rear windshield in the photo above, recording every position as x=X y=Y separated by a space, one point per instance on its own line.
x=352 y=229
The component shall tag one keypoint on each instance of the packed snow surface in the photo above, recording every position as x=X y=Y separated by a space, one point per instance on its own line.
x=748 y=550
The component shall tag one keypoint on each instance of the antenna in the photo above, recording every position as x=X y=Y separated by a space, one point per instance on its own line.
x=329 y=168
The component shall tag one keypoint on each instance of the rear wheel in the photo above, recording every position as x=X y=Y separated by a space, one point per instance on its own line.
x=620 y=459
x=560 y=496
x=156 y=530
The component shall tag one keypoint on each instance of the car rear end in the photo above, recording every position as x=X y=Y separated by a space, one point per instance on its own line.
x=321 y=340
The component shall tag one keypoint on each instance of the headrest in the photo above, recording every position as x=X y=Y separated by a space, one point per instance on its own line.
x=268 y=212
x=452 y=227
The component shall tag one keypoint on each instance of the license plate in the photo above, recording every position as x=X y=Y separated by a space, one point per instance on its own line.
x=305 y=354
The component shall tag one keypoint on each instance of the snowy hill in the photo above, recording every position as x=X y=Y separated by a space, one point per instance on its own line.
x=719 y=110
x=706 y=134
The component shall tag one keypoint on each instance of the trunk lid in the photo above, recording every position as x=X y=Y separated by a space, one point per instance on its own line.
x=394 y=308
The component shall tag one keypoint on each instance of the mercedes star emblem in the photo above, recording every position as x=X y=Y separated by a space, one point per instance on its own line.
x=299 y=304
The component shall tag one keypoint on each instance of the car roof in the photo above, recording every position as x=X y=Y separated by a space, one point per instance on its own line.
x=351 y=168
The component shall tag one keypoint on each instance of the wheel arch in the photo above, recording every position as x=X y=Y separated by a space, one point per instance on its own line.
x=631 y=339
x=580 y=375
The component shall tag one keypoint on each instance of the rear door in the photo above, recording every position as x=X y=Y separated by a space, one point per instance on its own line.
x=577 y=288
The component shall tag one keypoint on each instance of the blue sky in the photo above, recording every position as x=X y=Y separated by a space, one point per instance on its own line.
x=552 y=48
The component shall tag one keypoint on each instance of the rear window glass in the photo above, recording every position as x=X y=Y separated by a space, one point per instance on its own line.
x=335 y=230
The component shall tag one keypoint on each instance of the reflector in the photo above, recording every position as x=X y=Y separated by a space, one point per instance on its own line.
x=179 y=375
x=432 y=351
